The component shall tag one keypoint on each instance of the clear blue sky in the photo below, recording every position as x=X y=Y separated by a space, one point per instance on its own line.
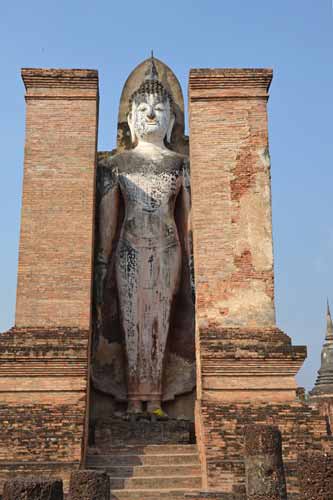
x=294 y=37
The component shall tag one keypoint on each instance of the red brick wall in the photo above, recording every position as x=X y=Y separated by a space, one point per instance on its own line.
x=231 y=204
x=43 y=400
x=301 y=429
x=56 y=243
x=246 y=366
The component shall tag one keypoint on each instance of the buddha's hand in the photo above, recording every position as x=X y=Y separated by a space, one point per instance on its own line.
x=101 y=269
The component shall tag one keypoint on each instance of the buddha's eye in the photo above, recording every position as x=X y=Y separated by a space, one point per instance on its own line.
x=142 y=108
x=159 y=108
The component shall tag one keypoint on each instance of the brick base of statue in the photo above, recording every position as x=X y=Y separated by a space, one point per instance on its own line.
x=33 y=489
x=254 y=371
x=141 y=430
x=43 y=382
x=89 y=485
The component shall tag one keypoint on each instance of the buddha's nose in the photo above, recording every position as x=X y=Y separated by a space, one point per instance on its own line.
x=151 y=113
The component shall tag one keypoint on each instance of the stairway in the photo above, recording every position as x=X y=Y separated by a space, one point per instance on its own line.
x=154 y=472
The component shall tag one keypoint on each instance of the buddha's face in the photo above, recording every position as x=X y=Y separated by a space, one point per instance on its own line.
x=151 y=118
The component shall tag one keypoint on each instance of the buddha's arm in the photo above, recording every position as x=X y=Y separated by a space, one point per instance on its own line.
x=108 y=217
x=184 y=216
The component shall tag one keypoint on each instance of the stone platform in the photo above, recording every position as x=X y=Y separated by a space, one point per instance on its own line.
x=140 y=430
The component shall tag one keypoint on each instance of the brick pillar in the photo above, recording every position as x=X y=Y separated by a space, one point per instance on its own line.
x=246 y=366
x=231 y=198
x=265 y=478
x=232 y=239
x=89 y=485
x=33 y=488
x=56 y=243
x=44 y=379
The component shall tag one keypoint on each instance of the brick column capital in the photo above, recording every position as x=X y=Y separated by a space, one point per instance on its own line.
x=60 y=83
x=228 y=82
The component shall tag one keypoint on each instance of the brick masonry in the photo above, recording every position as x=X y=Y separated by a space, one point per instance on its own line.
x=302 y=429
x=243 y=364
x=315 y=472
x=246 y=366
x=43 y=385
x=44 y=360
x=56 y=241
x=231 y=209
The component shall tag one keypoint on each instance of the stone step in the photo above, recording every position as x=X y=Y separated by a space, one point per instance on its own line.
x=151 y=470
x=152 y=494
x=168 y=482
x=151 y=449
x=132 y=460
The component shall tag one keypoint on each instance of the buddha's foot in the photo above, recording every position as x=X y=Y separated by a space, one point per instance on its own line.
x=154 y=408
x=134 y=406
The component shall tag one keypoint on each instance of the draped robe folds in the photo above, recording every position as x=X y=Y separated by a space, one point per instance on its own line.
x=149 y=257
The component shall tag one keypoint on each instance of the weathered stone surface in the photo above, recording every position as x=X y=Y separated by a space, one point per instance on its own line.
x=265 y=479
x=141 y=431
x=89 y=485
x=33 y=488
x=315 y=474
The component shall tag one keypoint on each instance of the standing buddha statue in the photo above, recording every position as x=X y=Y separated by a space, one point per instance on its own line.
x=150 y=178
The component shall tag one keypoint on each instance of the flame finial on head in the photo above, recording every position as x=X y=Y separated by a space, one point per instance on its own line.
x=150 y=85
x=151 y=73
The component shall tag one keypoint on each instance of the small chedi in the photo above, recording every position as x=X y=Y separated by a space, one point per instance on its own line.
x=145 y=341
x=321 y=395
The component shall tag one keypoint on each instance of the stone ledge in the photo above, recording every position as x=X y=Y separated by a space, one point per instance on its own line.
x=40 y=339
x=61 y=78
x=217 y=344
x=229 y=82
x=43 y=352
x=253 y=334
x=216 y=495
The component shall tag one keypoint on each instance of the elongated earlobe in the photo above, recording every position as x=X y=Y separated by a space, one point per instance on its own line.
x=131 y=127
x=170 y=127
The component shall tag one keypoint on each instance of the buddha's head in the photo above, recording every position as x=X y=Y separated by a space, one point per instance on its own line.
x=151 y=117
